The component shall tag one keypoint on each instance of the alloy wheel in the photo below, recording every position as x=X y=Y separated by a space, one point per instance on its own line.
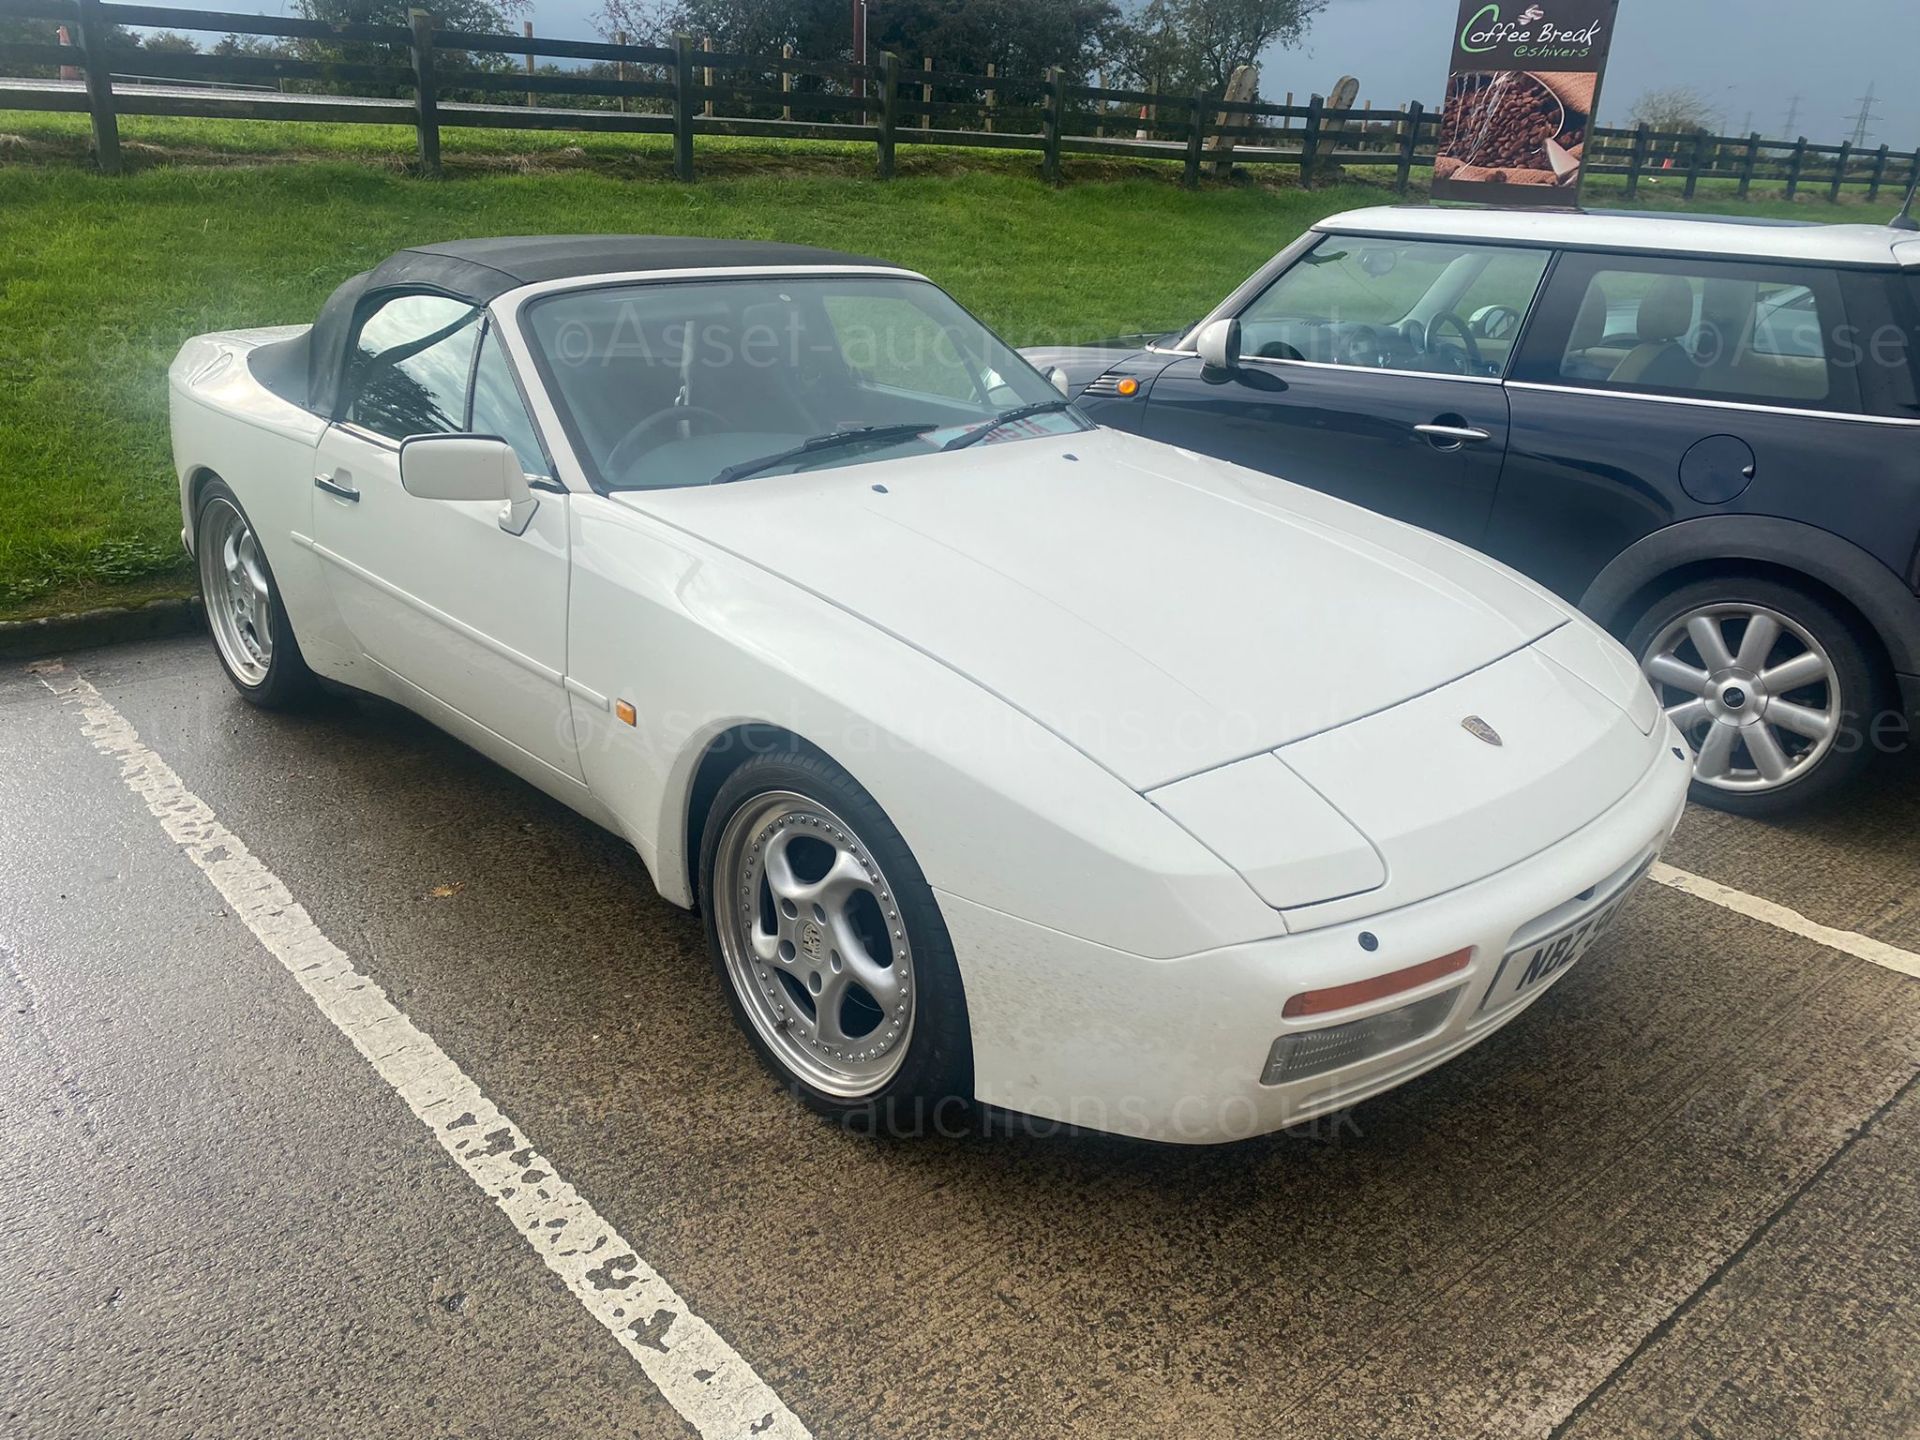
x=239 y=597
x=1756 y=695
x=814 y=945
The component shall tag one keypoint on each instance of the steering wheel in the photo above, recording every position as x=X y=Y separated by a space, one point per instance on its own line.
x=630 y=446
x=1474 y=357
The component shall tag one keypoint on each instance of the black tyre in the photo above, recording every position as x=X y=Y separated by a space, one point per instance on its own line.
x=251 y=633
x=832 y=952
x=1774 y=689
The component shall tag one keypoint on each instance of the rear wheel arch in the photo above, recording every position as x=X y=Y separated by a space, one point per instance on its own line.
x=1734 y=569
x=1833 y=570
x=198 y=478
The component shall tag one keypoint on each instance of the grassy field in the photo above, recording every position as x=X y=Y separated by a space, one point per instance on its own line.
x=100 y=280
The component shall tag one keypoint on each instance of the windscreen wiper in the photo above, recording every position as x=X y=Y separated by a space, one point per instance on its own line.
x=832 y=440
x=1005 y=417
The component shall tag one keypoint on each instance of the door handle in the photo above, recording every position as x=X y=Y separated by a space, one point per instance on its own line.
x=1453 y=435
x=336 y=485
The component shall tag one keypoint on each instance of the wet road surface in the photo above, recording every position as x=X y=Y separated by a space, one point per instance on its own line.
x=1674 y=1198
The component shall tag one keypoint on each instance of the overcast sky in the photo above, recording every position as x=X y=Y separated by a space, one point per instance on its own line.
x=1747 y=58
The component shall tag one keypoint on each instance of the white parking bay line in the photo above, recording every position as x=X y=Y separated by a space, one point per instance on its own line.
x=700 y=1375
x=1863 y=947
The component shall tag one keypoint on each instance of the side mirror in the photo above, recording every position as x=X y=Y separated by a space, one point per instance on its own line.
x=1494 y=322
x=468 y=467
x=1057 y=378
x=1218 y=345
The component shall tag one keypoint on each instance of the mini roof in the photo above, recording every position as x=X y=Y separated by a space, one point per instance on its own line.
x=479 y=270
x=1725 y=237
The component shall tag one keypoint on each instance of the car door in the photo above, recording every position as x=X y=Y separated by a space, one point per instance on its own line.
x=436 y=591
x=1369 y=369
x=1654 y=389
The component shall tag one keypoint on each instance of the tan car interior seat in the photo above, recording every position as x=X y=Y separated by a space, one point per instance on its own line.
x=1661 y=357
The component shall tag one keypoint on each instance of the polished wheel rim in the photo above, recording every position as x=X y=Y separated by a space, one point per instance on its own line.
x=1754 y=693
x=233 y=578
x=811 y=933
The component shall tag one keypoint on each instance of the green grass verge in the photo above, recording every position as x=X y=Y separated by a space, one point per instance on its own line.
x=102 y=279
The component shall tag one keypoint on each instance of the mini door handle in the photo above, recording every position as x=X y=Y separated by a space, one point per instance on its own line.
x=1456 y=434
x=335 y=487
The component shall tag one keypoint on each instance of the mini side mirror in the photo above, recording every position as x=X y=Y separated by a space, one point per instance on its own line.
x=1379 y=262
x=1218 y=344
x=468 y=467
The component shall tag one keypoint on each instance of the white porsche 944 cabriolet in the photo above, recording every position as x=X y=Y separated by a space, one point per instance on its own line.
x=1007 y=758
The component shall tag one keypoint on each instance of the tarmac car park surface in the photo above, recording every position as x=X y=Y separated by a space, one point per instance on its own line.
x=1674 y=1198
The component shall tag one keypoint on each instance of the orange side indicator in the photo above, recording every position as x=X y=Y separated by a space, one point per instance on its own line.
x=1128 y=387
x=624 y=709
x=1340 y=997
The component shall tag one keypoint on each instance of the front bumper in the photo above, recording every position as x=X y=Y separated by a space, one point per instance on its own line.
x=1174 y=1050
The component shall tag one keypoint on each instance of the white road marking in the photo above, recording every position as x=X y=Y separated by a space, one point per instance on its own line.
x=700 y=1375
x=1863 y=947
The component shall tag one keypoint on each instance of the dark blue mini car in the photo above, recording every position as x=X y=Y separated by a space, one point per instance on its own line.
x=1705 y=432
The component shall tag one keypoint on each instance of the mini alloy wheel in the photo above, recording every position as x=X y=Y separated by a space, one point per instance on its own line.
x=1770 y=685
x=814 y=945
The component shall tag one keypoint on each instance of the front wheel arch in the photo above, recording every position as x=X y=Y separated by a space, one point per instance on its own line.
x=725 y=753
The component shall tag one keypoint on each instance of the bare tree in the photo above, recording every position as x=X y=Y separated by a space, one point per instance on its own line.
x=642 y=22
x=1676 y=110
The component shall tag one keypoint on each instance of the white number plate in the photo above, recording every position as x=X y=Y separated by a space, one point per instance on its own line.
x=1531 y=968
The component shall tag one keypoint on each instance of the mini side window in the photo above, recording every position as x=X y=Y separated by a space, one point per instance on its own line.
x=1748 y=333
x=1787 y=324
x=409 y=368
x=1397 y=305
x=1883 y=309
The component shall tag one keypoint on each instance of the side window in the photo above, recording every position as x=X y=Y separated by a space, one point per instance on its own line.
x=1883 y=307
x=408 y=371
x=1706 y=329
x=889 y=341
x=1397 y=304
x=498 y=409
x=1787 y=323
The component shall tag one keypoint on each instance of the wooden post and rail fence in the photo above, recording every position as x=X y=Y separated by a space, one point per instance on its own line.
x=429 y=78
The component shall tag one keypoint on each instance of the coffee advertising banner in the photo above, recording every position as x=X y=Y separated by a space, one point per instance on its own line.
x=1521 y=98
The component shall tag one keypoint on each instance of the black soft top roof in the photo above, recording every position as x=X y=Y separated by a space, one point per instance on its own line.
x=479 y=270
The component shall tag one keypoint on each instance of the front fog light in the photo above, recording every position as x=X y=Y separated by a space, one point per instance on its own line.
x=1313 y=1052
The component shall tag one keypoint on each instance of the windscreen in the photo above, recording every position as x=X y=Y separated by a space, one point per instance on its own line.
x=675 y=383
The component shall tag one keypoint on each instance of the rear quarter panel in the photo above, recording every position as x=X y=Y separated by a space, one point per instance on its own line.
x=1588 y=475
x=227 y=424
